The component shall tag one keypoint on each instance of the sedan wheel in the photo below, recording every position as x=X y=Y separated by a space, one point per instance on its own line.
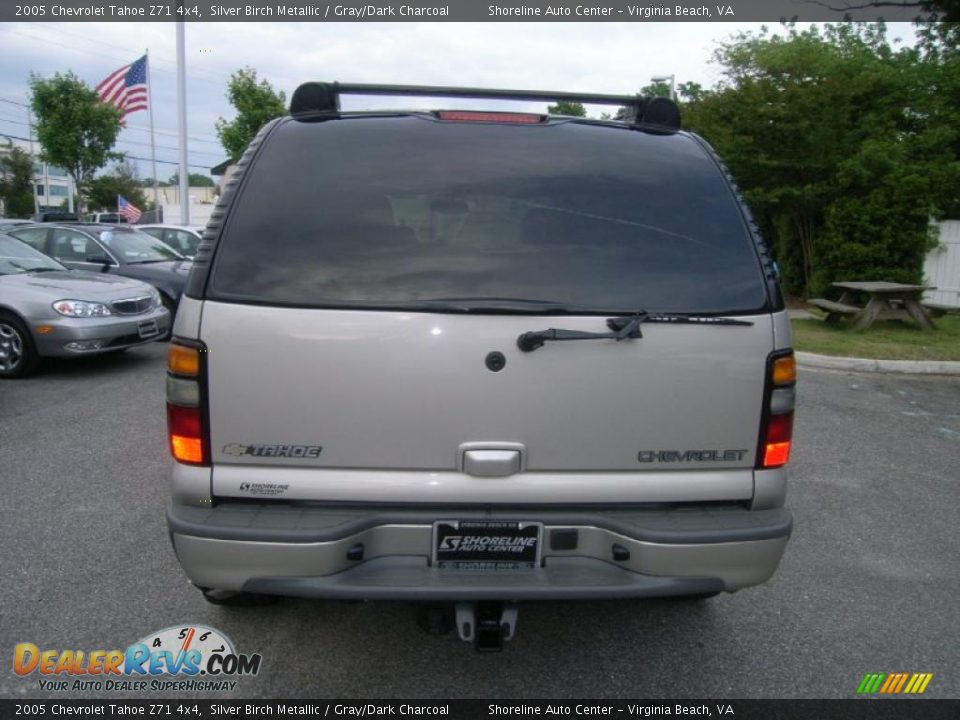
x=17 y=356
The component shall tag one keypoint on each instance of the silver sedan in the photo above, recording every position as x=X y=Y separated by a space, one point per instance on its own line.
x=47 y=310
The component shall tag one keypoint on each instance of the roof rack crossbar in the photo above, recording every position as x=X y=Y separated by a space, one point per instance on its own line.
x=325 y=97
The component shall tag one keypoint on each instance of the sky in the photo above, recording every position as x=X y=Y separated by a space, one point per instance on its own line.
x=617 y=58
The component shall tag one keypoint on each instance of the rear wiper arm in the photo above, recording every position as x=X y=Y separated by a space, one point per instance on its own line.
x=622 y=328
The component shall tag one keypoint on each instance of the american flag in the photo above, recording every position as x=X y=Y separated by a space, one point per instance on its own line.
x=126 y=88
x=127 y=209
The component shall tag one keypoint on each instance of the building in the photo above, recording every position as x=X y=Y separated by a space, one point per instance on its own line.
x=53 y=188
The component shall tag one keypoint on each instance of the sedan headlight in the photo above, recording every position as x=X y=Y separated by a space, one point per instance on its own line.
x=80 y=308
x=155 y=297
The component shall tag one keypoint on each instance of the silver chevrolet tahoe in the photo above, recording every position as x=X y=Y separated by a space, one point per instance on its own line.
x=478 y=358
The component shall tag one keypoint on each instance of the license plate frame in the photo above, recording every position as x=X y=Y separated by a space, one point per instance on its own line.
x=148 y=329
x=520 y=554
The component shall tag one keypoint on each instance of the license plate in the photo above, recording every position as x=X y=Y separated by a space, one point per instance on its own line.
x=486 y=544
x=148 y=328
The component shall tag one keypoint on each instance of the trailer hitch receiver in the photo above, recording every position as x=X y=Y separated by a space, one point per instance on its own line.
x=486 y=624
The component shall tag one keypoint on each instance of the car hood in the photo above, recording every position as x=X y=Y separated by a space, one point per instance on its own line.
x=74 y=285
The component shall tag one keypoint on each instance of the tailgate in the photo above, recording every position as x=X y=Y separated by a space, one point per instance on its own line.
x=359 y=402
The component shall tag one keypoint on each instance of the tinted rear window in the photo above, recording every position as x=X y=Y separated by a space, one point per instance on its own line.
x=381 y=212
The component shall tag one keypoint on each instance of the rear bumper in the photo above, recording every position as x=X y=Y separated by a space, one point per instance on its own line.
x=303 y=551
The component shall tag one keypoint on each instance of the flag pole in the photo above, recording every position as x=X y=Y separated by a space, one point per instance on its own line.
x=182 y=123
x=153 y=148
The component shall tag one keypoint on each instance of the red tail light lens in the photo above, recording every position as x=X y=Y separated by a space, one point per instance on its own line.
x=779 y=433
x=185 y=430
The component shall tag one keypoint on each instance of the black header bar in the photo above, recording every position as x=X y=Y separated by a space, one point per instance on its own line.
x=865 y=709
x=454 y=10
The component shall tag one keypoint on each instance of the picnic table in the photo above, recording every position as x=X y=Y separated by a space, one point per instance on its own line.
x=887 y=301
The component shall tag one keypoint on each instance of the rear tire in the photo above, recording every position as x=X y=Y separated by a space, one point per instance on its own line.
x=18 y=356
x=233 y=598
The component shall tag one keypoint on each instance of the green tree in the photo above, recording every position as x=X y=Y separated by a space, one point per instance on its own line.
x=940 y=45
x=930 y=10
x=122 y=179
x=16 y=183
x=256 y=104
x=76 y=131
x=193 y=180
x=656 y=89
x=691 y=92
x=573 y=109
x=832 y=137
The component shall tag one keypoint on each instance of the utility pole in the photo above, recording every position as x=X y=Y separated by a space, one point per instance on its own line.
x=33 y=163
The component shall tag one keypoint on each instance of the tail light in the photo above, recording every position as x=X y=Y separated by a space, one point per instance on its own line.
x=187 y=426
x=776 y=430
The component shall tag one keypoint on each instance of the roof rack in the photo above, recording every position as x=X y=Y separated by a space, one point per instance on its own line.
x=656 y=113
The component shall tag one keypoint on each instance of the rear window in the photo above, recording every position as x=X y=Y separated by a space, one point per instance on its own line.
x=392 y=212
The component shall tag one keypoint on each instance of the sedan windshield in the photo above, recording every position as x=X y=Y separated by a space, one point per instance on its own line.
x=132 y=246
x=17 y=257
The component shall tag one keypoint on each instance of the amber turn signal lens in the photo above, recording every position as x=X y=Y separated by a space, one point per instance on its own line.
x=182 y=360
x=785 y=370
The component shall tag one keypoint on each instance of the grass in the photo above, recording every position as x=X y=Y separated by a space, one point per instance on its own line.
x=887 y=340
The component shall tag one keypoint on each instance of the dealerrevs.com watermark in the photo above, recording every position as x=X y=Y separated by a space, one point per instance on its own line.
x=179 y=658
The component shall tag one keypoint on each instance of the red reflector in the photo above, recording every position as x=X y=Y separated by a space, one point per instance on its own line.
x=465 y=116
x=777 y=445
x=185 y=430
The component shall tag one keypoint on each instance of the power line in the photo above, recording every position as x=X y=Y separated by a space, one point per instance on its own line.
x=49 y=26
x=210 y=77
x=169 y=162
x=131 y=142
x=171 y=132
x=129 y=157
x=130 y=127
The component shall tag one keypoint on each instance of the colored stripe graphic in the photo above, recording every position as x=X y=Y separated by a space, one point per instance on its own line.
x=891 y=682
x=918 y=683
x=894 y=683
x=870 y=683
x=903 y=680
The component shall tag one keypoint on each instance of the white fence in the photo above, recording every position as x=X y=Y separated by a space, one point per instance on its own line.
x=942 y=267
x=199 y=213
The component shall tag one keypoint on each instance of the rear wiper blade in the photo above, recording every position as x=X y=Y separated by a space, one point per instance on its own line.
x=622 y=328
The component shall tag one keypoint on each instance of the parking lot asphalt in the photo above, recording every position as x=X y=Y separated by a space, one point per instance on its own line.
x=870 y=581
